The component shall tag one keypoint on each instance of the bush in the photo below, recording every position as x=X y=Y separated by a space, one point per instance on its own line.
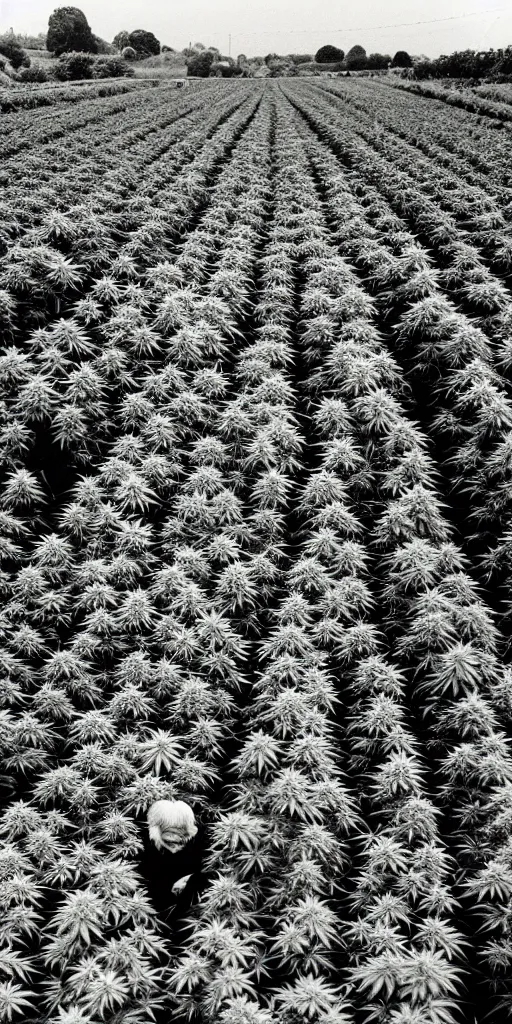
x=329 y=55
x=144 y=43
x=111 y=67
x=14 y=53
x=128 y=53
x=68 y=30
x=74 y=67
x=35 y=73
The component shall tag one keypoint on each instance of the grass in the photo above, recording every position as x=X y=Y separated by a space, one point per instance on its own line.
x=164 y=65
x=40 y=56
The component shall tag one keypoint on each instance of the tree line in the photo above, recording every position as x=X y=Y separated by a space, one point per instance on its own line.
x=460 y=64
x=468 y=64
x=357 y=58
x=71 y=39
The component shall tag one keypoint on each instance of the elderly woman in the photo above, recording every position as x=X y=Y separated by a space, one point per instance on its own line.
x=171 y=860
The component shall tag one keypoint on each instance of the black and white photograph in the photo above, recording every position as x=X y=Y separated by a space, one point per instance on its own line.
x=256 y=512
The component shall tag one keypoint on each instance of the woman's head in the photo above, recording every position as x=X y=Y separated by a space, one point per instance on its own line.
x=171 y=824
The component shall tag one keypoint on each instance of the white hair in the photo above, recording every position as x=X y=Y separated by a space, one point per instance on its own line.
x=171 y=824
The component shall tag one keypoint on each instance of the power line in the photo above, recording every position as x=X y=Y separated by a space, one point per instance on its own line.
x=433 y=21
x=370 y=28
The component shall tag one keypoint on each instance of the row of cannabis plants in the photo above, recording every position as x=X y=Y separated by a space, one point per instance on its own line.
x=90 y=640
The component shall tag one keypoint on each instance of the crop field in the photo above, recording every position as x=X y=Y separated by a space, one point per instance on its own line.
x=256 y=554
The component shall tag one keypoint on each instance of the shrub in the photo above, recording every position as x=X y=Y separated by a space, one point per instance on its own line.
x=14 y=53
x=35 y=73
x=144 y=43
x=111 y=66
x=68 y=30
x=9 y=75
x=128 y=53
x=73 y=67
x=329 y=55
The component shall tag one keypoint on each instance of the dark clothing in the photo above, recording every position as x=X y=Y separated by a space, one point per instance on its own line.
x=161 y=869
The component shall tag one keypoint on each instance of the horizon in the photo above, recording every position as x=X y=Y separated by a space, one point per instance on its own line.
x=436 y=27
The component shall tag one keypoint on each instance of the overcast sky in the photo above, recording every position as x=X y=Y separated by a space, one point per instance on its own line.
x=289 y=26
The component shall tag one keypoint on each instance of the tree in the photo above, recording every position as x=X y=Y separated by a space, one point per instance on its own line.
x=14 y=53
x=27 y=42
x=329 y=55
x=121 y=40
x=199 y=65
x=190 y=51
x=378 y=61
x=224 y=69
x=102 y=46
x=401 y=60
x=503 y=65
x=356 y=58
x=68 y=30
x=144 y=43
